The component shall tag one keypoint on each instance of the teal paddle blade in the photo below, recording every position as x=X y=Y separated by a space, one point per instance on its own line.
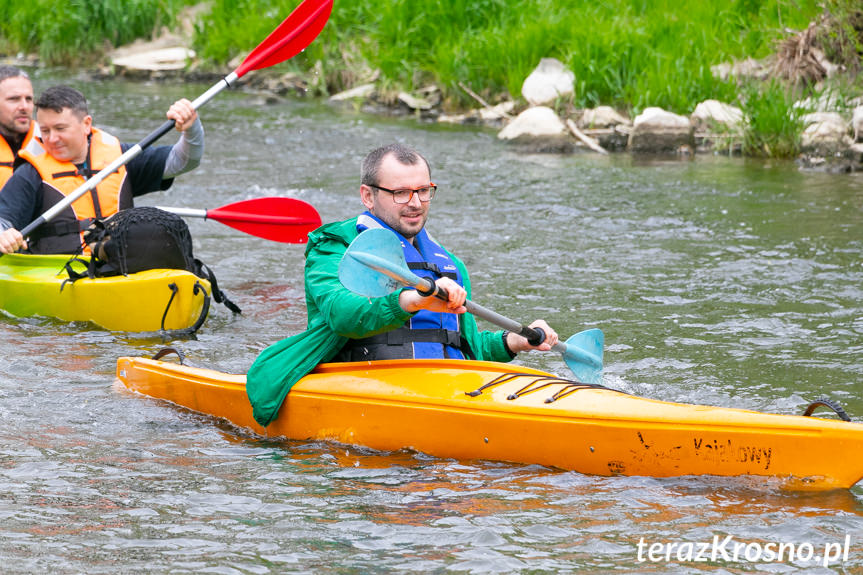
x=371 y=261
x=583 y=355
x=374 y=266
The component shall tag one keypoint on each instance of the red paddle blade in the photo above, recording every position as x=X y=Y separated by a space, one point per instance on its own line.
x=291 y=37
x=286 y=220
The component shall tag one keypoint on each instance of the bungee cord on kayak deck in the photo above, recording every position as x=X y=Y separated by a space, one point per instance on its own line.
x=544 y=381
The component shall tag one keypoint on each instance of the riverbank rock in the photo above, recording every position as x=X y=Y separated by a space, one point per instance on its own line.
x=825 y=133
x=659 y=131
x=828 y=101
x=165 y=56
x=133 y=61
x=713 y=115
x=491 y=116
x=362 y=93
x=549 y=81
x=423 y=101
x=857 y=123
x=538 y=129
x=743 y=69
x=601 y=117
x=718 y=127
x=856 y=153
x=605 y=125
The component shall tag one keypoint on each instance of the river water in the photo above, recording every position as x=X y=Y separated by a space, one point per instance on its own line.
x=716 y=280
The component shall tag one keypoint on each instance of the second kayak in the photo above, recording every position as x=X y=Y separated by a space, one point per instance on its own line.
x=148 y=301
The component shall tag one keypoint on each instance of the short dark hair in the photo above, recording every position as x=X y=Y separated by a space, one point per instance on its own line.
x=372 y=162
x=57 y=98
x=7 y=72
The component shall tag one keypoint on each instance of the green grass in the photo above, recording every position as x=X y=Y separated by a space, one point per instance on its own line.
x=76 y=31
x=773 y=124
x=630 y=54
x=626 y=53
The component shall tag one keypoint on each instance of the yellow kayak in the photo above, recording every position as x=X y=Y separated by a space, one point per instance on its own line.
x=484 y=410
x=152 y=300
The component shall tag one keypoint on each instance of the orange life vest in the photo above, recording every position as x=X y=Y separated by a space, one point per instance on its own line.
x=7 y=156
x=59 y=179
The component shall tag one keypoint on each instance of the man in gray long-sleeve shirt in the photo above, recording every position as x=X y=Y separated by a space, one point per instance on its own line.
x=69 y=152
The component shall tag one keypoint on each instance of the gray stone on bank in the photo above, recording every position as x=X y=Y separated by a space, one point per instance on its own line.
x=601 y=117
x=415 y=103
x=362 y=92
x=716 y=116
x=826 y=133
x=748 y=68
x=538 y=128
x=491 y=116
x=149 y=63
x=718 y=127
x=605 y=125
x=658 y=131
x=549 y=81
x=829 y=101
x=857 y=123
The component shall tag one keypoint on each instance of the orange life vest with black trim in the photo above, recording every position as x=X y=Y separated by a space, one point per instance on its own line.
x=8 y=157
x=59 y=179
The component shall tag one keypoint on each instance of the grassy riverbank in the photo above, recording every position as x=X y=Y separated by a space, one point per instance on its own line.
x=627 y=53
x=76 y=33
x=630 y=54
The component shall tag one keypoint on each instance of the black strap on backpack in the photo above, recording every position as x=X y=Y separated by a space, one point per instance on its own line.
x=218 y=295
x=143 y=238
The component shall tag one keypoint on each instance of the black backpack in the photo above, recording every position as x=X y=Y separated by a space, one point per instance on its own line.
x=143 y=238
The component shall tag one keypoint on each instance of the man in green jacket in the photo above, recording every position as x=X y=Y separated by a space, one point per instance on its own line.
x=396 y=190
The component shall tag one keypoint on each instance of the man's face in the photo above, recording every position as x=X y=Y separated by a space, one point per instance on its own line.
x=16 y=106
x=407 y=219
x=64 y=134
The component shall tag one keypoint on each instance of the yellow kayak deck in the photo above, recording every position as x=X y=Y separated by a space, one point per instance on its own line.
x=152 y=300
x=483 y=410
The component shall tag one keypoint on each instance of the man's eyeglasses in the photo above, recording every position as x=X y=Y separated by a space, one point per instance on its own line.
x=424 y=193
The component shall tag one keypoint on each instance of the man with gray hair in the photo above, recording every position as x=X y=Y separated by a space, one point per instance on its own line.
x=16 y=118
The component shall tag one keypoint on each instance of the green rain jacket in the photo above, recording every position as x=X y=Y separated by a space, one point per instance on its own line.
x=336 y=314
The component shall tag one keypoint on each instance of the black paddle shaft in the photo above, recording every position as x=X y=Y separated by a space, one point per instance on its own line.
x=534 y=335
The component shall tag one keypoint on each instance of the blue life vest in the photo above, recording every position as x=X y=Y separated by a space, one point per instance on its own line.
x=427 y=335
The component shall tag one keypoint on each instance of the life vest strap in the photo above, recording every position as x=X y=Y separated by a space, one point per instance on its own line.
x=404 y=335
x=432 y=267
x=85 y=173
x=63 y=228
x=69 y=174
x=397 y=344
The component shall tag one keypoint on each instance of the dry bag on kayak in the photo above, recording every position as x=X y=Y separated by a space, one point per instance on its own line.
x=144 y=238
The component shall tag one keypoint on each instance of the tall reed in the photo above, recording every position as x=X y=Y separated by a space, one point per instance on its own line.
x=773 y=124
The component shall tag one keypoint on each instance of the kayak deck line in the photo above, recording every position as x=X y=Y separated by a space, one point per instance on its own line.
x=539 y=382
x=425 y=405
x=157 y=300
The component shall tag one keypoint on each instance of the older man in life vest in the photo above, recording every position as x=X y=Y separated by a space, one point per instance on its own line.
x=16 y=118
x=70 y=151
